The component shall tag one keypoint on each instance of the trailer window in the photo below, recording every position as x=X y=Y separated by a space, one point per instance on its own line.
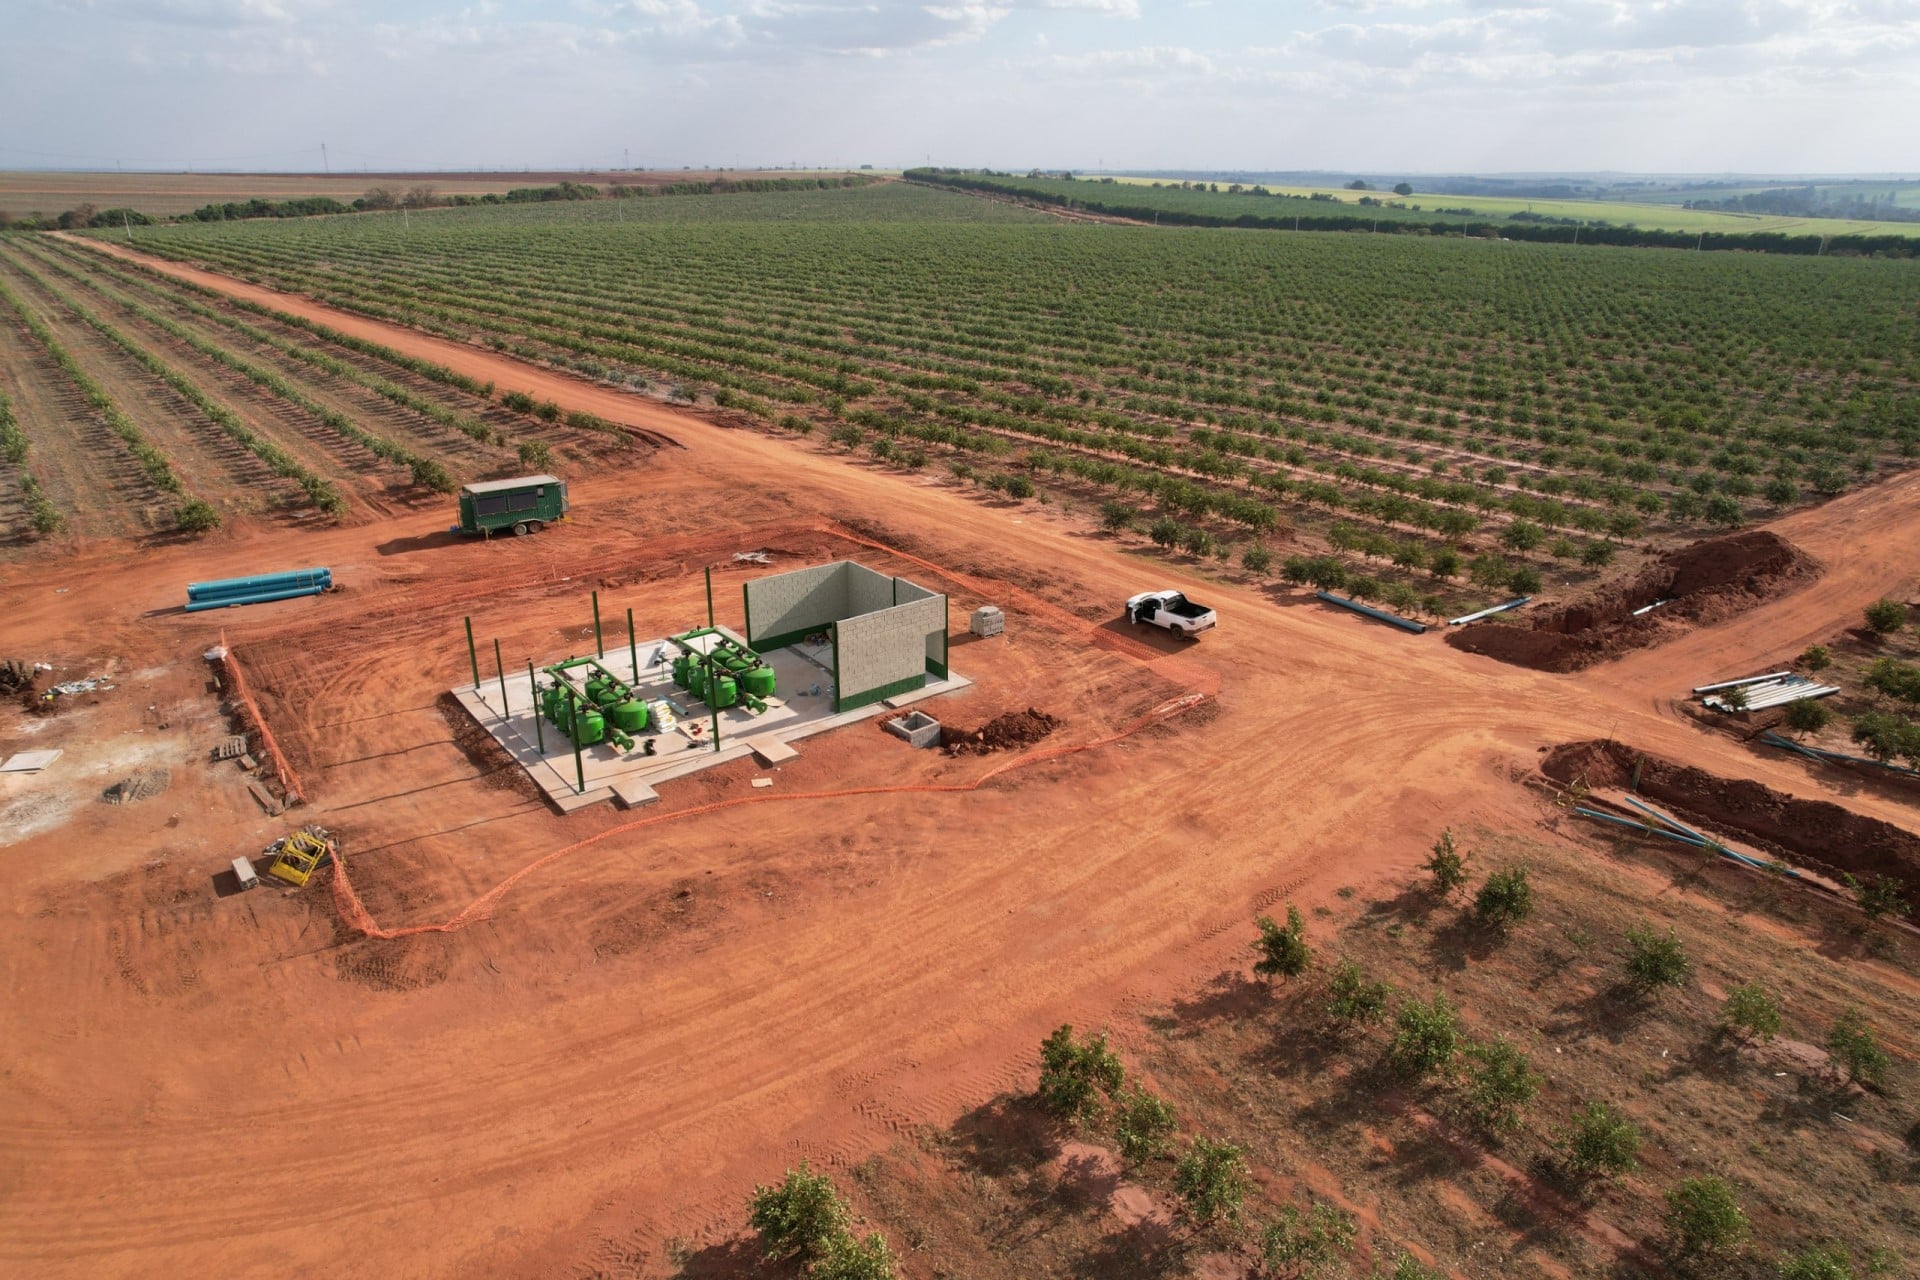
x=491 y=505
x=522 y=502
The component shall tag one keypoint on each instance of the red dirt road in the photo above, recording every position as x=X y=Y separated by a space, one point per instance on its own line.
x=641 y=1031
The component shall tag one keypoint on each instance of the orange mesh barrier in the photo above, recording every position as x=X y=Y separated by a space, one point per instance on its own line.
x=250 y=711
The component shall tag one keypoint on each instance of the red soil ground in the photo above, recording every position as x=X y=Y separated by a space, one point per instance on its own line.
x=639 y=1032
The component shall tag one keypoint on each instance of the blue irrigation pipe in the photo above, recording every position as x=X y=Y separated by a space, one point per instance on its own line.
x=1775 y=740
x=1671 y=822
x=1639 y=826
x=1391 y=619
x=258 y=597
x=258 y=583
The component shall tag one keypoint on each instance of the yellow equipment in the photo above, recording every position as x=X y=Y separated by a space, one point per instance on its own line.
x=298 y=855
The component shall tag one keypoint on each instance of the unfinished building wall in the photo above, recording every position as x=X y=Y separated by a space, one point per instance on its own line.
x=905 y=592
x=867 y=591
x=884 y=654
x=786 y=607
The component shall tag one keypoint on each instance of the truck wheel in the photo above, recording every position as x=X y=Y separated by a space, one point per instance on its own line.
x=520 y=529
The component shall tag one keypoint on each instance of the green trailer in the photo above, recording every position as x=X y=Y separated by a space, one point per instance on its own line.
x=525 y=505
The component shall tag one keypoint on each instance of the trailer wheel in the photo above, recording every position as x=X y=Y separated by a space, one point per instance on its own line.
x=535 y=526
x=520 y=529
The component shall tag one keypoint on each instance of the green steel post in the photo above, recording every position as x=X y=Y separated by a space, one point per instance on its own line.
x=709 y=595
x=533 y=691
x=716 y=728
x=579 y=769
x=498 y=666
x=473 y=656
x=598 y=646
x=633 y=650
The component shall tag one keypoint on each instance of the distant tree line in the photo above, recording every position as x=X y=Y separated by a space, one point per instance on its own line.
x=1810 y=202
x=385 y=198
x=1111 y=201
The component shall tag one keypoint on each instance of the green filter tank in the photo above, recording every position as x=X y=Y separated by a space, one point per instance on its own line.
x=758 y=682
x=591 y=729
x=682 y=671
x=724 y=691
x=629 y=716
x=551 y=702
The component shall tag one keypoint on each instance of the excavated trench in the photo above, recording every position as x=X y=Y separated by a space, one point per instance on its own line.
x=1705 y=582
x=1814 y=834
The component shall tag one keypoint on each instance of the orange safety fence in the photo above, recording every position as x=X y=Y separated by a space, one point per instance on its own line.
x=355 y=913
x=289 y=781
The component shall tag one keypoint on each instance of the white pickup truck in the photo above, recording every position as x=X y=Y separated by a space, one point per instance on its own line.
x=1171 y=610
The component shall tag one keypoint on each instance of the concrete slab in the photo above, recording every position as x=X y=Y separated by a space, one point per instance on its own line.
x=548 y=756
x=633 y=794
x=29 y=761
x=771 y=750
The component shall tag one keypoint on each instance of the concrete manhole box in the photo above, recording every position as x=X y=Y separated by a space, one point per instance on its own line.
x=918 y=728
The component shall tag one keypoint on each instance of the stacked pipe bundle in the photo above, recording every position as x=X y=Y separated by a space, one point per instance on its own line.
x=222 y=592
x=1774 y=689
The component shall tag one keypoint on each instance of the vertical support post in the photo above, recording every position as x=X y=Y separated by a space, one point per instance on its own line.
x=716 y=729
x=599 y=646
x=501 y=668
x=709 y=595
x=533 y=691
x=573 y=720
x=633 y=650
x=473 y=656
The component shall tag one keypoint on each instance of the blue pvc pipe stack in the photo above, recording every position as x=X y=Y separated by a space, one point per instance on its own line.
x=222 y=592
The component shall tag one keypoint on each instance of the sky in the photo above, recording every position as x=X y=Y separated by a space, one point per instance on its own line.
x=1366 y=86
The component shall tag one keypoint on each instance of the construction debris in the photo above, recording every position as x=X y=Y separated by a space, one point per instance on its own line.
x=298 y=854
x=140 y=786
x=266 y=798
x=751 y=557
x=15 y=675
x=73 y=688
x=233 y=747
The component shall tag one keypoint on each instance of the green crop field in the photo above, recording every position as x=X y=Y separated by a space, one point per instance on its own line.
x=1421 y=414
x=1283 y=202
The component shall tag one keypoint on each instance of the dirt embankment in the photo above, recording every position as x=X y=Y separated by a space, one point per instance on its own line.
x=1009 y=731
x=1705 y=582
x=1812 y=833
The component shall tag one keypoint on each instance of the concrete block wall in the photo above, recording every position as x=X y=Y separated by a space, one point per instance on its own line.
x=867 y=591
x=798 y=601
x=882 y=654
x=905 y=592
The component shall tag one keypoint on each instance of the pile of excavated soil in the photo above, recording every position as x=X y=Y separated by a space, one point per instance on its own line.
x=1706 y=582
x=1008 y=731
x=1811 y=833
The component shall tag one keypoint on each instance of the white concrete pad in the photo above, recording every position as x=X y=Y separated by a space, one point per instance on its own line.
x=603 y=772
x=29 y=761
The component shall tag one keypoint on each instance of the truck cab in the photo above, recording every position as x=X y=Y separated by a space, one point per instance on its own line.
x=1172 y=610
x=525 y=504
